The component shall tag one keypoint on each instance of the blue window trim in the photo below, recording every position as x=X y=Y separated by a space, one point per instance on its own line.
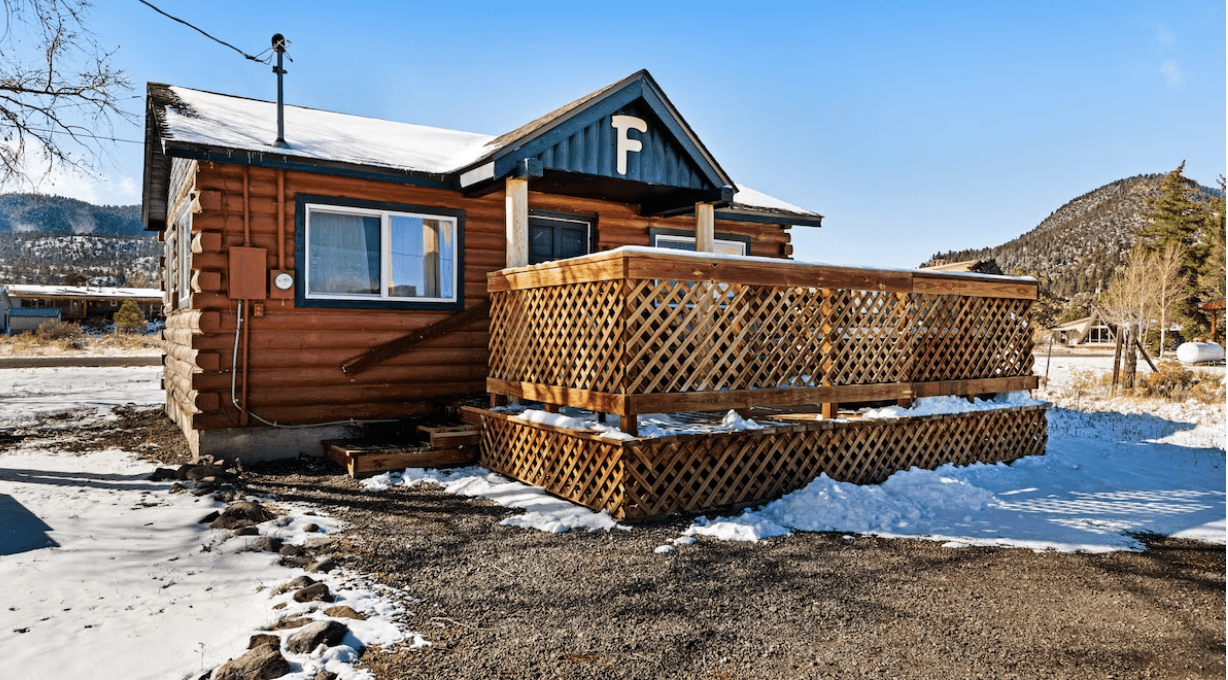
x=300 y=253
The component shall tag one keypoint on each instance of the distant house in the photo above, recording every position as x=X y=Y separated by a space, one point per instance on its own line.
x=1090 y=330
x=23 y=320
x=83 y=303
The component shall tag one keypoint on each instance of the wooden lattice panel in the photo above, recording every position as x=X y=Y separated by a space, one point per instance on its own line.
x=656 y=336
x=648 y=477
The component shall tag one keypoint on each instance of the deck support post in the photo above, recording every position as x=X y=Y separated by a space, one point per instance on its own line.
x=830 y=411
x=517 y=200
x=705 y=228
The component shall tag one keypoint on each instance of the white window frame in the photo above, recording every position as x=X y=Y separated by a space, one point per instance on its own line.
x=385 y=258
x=183 y=255
x=718 y=244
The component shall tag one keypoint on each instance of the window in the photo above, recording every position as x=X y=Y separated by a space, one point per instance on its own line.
x=724 y=244
x=558 y=236
x=367 y=255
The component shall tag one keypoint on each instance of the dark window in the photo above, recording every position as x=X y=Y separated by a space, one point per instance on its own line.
x=558 y=237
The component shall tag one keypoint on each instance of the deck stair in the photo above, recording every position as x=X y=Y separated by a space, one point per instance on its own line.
x=444 y=445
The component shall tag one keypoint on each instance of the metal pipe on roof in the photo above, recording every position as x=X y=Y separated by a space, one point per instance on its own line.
x=279 y=46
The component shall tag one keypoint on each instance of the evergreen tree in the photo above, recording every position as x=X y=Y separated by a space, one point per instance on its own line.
x=129 y=316
x=1211 y=277
x=1178 y=218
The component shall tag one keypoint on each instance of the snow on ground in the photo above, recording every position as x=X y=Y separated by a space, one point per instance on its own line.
x=104 y=569
x=27 y=393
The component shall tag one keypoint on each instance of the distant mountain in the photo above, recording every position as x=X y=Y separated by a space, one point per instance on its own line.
x=36 y=213
x=1076 y=249
x=51 y=240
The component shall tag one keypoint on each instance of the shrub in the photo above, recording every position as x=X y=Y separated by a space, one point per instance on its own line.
x=59 y=330
x=129 y=317
x=1175 y=382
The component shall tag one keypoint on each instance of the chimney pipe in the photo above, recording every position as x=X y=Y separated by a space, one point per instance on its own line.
x=279 y=46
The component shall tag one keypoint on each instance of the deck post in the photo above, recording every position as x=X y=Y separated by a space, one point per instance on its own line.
x=705 y=228
x=517 y=200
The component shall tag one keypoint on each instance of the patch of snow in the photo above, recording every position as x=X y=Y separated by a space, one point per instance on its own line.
x=542 y=511
x=28 y=393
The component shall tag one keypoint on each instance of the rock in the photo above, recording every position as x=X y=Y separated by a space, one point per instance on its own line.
x=299 y=582
x=262 y=663
x=294 y=561
x=288 y=622
x=342 y=611
x=322 y=565
x=325 y=675
x=247 y=531
x=209 y=518
x=262 y=639
x=316 y=592
x=241 y=514
x=267 y=544
x=162 y=475
x=179 y=488
x=199 y=472
x=311 y=528
x=290 y=550
x=182 y=473
x=279 y=605
x=327 y=633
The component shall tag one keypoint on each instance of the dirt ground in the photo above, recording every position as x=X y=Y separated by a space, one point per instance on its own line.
x=501 y=602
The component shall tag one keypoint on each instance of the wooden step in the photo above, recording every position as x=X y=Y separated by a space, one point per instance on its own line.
x=452 y=436
x=365 y=457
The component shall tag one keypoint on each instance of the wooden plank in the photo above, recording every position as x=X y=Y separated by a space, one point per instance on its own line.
x=388 y=350
x=588 y=435
x=603 y=402
x=556 y=274
x=993 y=287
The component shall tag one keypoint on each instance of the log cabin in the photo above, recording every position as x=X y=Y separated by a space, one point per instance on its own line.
x=334 y=275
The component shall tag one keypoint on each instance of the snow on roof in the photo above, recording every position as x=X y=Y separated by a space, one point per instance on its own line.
x=210 y=119
x=226 y=122
x=24 y=291
x=749 y=198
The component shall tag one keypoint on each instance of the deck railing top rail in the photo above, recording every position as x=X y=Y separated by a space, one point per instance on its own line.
x=641 y=330
x=639 y=262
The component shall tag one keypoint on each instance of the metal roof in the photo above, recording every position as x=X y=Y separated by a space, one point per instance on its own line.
x=34 y=311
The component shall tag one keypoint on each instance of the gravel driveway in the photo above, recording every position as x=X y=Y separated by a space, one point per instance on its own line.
x=502 y=602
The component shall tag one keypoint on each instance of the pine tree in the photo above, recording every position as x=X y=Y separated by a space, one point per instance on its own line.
x=129 y=316
x=1178 y=218
x=1211 y=277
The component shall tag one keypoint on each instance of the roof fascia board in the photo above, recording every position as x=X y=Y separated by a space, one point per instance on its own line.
x=769 y=218
x=685 y=136
x=261 y=160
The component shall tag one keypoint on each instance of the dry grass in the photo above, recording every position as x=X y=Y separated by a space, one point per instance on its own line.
x=70 y=339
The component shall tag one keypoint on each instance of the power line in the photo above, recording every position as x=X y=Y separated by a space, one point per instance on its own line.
x=222 y=42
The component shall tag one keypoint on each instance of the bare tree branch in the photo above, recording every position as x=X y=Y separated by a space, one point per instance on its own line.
x=59 y=93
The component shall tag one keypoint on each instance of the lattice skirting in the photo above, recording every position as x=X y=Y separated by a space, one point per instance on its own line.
x=648 y=477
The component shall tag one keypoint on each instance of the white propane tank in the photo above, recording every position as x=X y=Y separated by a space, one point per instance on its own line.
x=1197 y=352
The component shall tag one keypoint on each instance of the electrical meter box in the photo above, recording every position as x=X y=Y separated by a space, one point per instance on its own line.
x=249 y=273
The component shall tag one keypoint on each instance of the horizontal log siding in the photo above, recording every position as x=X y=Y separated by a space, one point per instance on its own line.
x=295 y=354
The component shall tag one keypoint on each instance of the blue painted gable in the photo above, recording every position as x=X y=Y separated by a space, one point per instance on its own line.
x=582 y=138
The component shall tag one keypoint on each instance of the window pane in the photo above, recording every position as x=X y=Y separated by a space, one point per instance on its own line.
x=423 y=255
x=676 y=243
x=344 y=253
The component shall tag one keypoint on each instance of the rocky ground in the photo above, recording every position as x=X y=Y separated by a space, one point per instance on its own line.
x=502 y=602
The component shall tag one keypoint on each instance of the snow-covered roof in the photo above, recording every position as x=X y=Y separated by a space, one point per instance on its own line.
x=32 y=291
x=229 y=122
x=189 y=123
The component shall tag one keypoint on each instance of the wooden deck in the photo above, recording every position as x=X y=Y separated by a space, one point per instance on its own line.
x=641 y=331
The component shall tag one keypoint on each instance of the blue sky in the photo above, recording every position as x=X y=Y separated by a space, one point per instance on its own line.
x=912 y=127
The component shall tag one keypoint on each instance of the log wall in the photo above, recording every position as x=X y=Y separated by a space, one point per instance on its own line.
x=293 y=374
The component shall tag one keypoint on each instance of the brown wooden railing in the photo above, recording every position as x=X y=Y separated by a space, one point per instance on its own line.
x=640 y=330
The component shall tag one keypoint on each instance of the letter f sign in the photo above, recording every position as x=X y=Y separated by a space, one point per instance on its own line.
x=623 y=124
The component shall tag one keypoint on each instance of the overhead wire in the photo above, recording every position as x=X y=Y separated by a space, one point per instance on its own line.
x=266 y=60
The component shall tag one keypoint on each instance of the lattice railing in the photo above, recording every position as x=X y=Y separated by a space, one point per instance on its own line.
x=622 y=331
x=648 y=477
